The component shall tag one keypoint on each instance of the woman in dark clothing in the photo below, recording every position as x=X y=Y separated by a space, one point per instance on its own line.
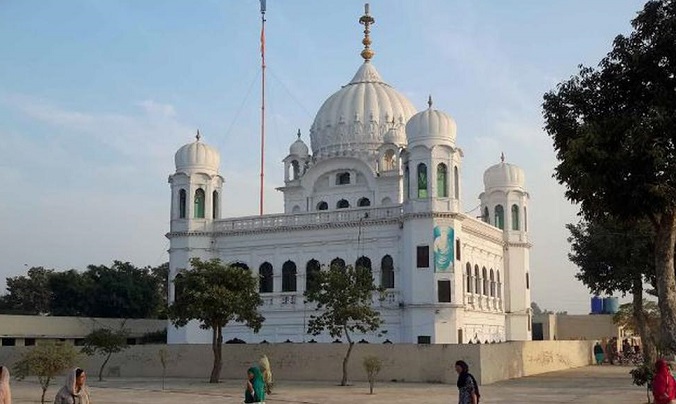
x=468 y=388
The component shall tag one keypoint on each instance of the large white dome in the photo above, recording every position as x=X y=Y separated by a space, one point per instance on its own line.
x=197 y=156
x=357 y=117
x=504 y=175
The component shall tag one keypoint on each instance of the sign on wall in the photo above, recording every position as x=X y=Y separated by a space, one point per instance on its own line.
x=443 y=248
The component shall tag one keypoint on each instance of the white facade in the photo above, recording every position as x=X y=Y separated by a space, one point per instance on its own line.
x=381 y=182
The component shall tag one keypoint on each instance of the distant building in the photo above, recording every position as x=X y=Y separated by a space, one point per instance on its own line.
x=576 y=327
x=380 y=187
x=31 y=330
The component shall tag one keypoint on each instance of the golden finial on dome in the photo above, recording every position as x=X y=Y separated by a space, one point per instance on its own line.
x=366 y=20
x=298 y=134
x=198 y=136
x=429 y=101
x=502 y=157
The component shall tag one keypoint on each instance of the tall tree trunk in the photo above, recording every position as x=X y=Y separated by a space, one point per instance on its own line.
x=665 y=239
x=105 y=362
x=44 y=391
x=217 y=348
x=346 y=359
x=647 y=337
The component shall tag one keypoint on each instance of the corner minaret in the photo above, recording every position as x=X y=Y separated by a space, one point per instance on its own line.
x=195 y=186
x=504 y=204
x=196 y=189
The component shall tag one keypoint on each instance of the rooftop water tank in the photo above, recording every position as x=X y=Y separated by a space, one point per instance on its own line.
x=596 y=305
x=611 y=305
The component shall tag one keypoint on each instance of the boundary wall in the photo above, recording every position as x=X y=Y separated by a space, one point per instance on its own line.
x=323 y=362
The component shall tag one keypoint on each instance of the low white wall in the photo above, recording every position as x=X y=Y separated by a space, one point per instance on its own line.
x=322 y=362
x=527 y=358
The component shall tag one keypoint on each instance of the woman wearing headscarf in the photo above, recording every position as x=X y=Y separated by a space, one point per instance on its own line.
x=664 y=385
x=255 y=386
x=468 y=388
x=267 y=373
x=75 y=390
x=5 y=392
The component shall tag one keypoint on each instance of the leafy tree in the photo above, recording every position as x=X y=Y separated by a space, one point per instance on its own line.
x=613 y=131
x=70 y=294
x=372 y=366
x=535 y=308
x=45 y=361
x=344 y=297
x=615 y=256
x=216 y=294
x=105 y=342
x=29 y=294
x=160 y=275
x=122 y=291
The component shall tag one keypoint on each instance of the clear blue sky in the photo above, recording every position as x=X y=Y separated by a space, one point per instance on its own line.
x=95 y=97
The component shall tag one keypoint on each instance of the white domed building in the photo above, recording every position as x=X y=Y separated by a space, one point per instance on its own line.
x=379 y=186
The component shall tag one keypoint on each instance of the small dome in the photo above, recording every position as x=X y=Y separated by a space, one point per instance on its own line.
x=431 y=124
x=299 y=148
x=197 y=156
x=504 y=175
x=395 y=136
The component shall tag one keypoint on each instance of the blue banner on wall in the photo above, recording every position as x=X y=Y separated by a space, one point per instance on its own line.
x=444 y=251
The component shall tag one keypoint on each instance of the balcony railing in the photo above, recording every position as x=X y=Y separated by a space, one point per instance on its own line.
x=292 y=220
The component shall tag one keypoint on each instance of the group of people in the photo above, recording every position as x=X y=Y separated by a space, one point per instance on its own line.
x=612 y=354
x=74 y=390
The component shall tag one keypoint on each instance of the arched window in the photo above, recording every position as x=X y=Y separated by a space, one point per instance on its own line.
x=525 y=219
x=492 y=283
x=364 y=202
x=338 y=263
x=312 y=269
x=199 y=203
x=407 y=182
x=361 y=276
x=343 y=179
x=469 y=277
x=387 y=272
x=215 y=206
x=388 y=160
x=484 y=275
x=178 y=287
x=239 y=264
x=456 y=183
x=322 y=206
x=499 y=285
x=295 y=209
x=289 y=276
x=386 y=201
x=515 y=217
x=477 y=280
x=442 y=181
x=295 y=170
x=265 y=282
x=422 y=180
x=527 y=280
x=486 y=216
x=182 y=198
x=499 y=217
x=343 y=204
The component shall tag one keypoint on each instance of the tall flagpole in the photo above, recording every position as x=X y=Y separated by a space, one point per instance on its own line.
x=262 y=103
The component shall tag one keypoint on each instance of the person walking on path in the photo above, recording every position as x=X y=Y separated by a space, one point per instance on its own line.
x=5 y=391
x=468 y=388
x=598 y=353
x=75 y=390
x=664 y=385
x=255 y=386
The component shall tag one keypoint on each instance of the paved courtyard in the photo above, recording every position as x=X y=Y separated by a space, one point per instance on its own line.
x=587 y=385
